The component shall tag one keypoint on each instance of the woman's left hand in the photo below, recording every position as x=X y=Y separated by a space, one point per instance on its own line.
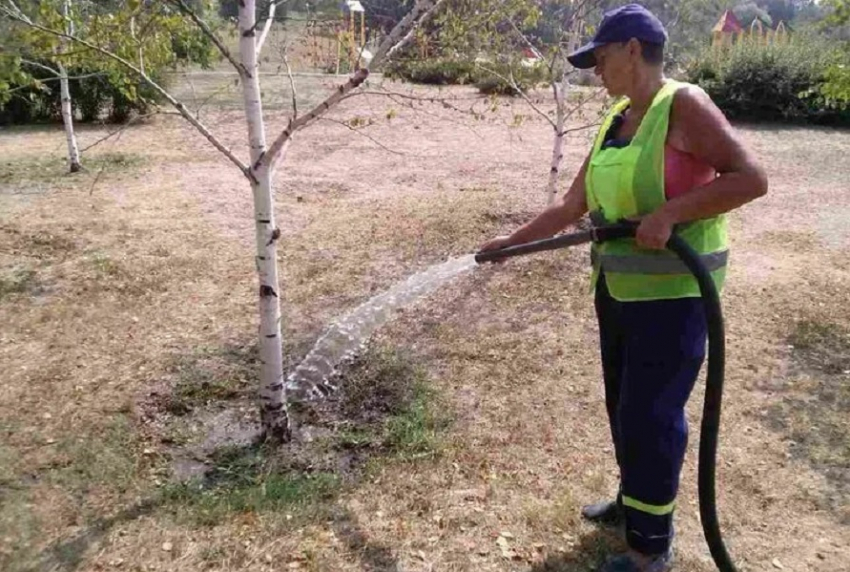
x=654 y=231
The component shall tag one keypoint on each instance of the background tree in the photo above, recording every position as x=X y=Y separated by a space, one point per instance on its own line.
x=33 y=63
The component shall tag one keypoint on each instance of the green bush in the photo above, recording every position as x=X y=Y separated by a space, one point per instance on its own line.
x=437 y=71
x=503 y=79
x=783 y=82
x=489 y=78
x=93 y=97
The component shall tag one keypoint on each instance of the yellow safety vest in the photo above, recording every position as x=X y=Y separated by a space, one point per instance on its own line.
x=629 y=182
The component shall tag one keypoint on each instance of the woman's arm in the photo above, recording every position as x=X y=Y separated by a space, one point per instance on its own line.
x=702 y=129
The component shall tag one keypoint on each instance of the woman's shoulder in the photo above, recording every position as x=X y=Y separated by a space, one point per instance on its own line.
x=690 y=97
x=693 y=110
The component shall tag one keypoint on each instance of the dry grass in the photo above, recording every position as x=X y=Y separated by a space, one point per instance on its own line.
x=128 y=318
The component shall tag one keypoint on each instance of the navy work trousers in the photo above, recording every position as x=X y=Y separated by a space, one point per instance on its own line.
x=651 y=356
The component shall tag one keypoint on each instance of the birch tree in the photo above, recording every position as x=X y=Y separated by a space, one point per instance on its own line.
x=263 y=157
x=49 y=56
x=499 y=30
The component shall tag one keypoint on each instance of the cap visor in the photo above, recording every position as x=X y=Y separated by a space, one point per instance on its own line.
x=583 y=58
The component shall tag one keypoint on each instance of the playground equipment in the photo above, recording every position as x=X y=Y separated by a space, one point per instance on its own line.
x=729 y=31
x=337 y=41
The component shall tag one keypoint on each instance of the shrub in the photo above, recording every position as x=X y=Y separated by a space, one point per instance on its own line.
x=93 y=96
x=489 y=78
x=437 y=71
x=778 y=82
x=496 y=79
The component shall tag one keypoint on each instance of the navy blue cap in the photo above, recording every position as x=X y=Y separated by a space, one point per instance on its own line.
x=621 y=25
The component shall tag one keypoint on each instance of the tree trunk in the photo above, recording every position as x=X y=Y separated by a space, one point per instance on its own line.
x=68 y=120
x=558 y=145
x=67 y=110
x=273 y=406
x=561 y=109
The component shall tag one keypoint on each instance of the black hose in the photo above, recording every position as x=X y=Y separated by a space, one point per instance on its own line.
x=714 y=378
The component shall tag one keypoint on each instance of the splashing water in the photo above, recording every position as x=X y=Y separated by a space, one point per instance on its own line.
x=347 y=336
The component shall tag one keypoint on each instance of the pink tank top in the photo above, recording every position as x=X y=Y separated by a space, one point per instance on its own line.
x=683 y=172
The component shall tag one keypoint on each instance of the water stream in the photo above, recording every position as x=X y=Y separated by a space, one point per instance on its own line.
x=313 y=377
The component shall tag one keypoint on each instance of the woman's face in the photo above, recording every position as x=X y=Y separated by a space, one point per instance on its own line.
x=616 y=65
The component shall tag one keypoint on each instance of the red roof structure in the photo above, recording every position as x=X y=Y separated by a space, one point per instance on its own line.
x=728 y=23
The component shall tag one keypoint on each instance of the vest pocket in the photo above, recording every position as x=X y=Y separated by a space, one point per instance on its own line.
x=611 y=176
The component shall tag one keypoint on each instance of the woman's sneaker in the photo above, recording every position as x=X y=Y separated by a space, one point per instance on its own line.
x=608 y=513
x=639 y=563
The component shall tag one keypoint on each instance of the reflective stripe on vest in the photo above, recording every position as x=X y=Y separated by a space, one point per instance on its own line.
x=658 y=264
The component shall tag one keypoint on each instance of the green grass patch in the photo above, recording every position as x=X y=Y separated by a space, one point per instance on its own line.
x=389 y=405
x=106 y=456
x=43 y=169
x=211 y=375
x=384 y=411
x=249 y=480
x=108 y=161
x=17 y=281
x=413 y=432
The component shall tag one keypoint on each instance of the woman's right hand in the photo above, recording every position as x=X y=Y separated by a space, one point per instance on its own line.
x=497 y=243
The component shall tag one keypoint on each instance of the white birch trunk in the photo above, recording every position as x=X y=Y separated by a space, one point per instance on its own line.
x=68 y=120
x=561 y=110
x=273 y=406
x=141 y=49
x=558 y=145
x=65 y=93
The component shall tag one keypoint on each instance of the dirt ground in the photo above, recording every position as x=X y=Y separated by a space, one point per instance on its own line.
x=127 y=323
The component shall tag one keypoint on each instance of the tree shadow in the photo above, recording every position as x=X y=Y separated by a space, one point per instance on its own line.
x=67 y=555
x=374 y=557
x=588 y=553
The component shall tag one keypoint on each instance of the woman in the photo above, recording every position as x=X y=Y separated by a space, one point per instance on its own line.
x=665 y=155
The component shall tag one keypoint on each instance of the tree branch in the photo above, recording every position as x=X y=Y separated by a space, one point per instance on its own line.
x=20 y=17
x=402 y=33
x=119 y=130
x=407 y=101
x=525 y=40
x=362 y=134
x=292 y=87
x=42 y=67
x=269 y=156
x=212 y=36
x=521 y=93
x=47 y=79
x=268 y=25
x=582 y=128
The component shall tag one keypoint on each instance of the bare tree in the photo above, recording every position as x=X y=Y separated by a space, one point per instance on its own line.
x=571 y=31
